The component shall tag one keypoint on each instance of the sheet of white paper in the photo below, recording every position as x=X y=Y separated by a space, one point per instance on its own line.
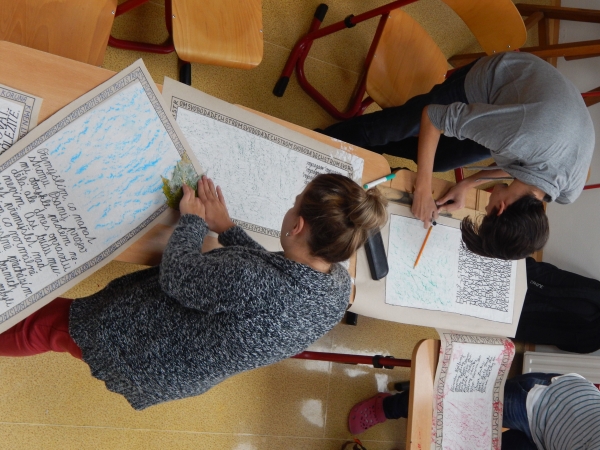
x=18 y=115
x=469 y=391
x=79 y=189
x=414 y=286
x=448 y=277
x=260 y=165
x=486 y=286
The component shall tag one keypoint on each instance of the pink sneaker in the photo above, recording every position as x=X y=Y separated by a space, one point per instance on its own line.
x=366 y=414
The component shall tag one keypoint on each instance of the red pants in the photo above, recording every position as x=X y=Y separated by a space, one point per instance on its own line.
x=46 y=330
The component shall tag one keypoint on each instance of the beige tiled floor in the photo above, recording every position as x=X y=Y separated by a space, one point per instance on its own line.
x=51 y=401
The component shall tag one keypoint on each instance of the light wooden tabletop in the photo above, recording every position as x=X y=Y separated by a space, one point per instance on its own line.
x=420 y=407
x=59 y=81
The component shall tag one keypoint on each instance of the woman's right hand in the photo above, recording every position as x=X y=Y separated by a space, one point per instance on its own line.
x=217 y=216
x=190 y=204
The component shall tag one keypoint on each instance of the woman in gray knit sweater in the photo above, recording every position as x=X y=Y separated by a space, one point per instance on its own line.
x=176 y=330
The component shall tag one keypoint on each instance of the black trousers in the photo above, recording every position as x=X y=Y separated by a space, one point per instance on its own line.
x=394 y=130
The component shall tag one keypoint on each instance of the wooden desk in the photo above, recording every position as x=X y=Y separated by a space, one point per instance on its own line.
x=420 y=405
x=59 y=81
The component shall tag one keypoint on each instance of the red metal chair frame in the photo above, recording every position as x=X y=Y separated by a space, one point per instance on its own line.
x=358 y=104
x=300 y=52
x=166 y=47
x=377 y=361
x=185 y=71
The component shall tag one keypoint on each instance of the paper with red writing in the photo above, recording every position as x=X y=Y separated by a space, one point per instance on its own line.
x=469 y=391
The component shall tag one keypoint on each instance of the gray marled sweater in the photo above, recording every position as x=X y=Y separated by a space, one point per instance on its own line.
x=176 y=330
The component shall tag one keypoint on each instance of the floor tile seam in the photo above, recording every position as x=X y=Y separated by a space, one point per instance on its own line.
x=328 y=390
x=97 y=427
x=329 y=385
x=281 y=47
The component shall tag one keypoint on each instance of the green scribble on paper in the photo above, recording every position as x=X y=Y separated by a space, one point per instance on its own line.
x=184 y=172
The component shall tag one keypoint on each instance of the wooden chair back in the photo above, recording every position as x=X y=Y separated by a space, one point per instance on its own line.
x=74 y=29
x=219 y=32
x=496 y=24
x=407 y=62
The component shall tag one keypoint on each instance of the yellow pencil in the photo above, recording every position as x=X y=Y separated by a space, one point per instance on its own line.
x=423 y=246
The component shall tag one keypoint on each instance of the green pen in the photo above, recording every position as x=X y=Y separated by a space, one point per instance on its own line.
x=379 y=181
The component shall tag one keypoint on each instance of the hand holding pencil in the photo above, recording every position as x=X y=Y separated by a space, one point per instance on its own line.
x=449 y=202
x=424 y=207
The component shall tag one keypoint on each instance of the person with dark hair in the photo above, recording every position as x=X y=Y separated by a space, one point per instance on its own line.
x=176 y=330
x=542 y=411
x=513 y=107
x=512 y=232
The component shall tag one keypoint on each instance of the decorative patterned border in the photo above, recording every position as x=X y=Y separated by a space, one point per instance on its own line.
x=24 y=99
x=135 y=75
x=215 y=115
x=450 y=339
x=257 y=228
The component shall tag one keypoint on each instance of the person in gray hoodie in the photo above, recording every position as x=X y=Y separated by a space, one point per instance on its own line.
x=176 y=330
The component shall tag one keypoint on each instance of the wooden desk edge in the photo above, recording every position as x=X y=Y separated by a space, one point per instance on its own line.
x=420 y=408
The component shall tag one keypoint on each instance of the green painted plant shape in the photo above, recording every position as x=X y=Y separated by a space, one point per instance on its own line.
x=183 y=172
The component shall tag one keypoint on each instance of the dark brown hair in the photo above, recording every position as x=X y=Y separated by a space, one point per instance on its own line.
x=516 y=233
x=340 y=214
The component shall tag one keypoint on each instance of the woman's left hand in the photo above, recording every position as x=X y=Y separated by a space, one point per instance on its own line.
x=217 y=216
x=424 y=207
x=190 y=204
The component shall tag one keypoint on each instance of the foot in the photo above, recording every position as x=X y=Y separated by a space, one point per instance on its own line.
x=366 y=414
x=402 y=386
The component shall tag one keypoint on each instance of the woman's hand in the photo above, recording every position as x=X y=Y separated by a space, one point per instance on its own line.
x=424 y=207
x=217 y=217
x=190 y=204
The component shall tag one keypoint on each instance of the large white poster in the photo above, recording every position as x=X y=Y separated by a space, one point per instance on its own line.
x=80 y=188
x=260 y=165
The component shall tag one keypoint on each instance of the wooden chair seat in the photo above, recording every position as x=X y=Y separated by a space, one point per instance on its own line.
x=407 y=62
x=219 y=32
x=74 y=29
x=496 y=24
